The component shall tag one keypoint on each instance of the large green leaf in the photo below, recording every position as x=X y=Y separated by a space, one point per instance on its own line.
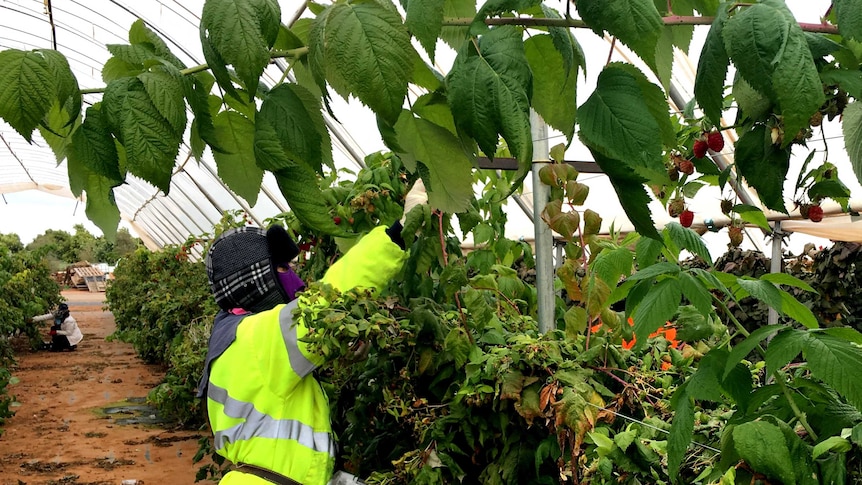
x=685 y=238
x=489 y=93
x=796 y=80
x=300 y=187
x=849 y=15
x=763 y=165
x=836 y=362
x=164 y=85
x=57 y=130
x=566 y=43
x=681 y=432
x=425 y=21
x=292 y=115
x=363 y=49
x=68 y=94
x=94 y=149
x=794 y=309
x=140 y=34
x=611 y=264
x=696 y=292
x=763 y=447
x=762 y=290
x=712 y=70
x=657 y=307
x=236 y=164
x=631 y=193
x=27 y=89
x=783 y=348
x=101 y=207
x=753 y=38
x=636 y=23
x=240 y=33
x=656 y=102
x=616 y=122
x=455 y=36
x=451 y=186
x=197 y=94
x=151 y=143
x=554 y=84
x=852 y=130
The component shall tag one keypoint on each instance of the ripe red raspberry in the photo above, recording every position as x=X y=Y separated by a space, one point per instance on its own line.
x=735 y=235
x=715 y=141
x=336 y=220
x=686 y=167
x=815 y=213
x=686 y=218
x=700 y=148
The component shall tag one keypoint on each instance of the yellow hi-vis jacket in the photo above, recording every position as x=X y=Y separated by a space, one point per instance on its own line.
x=265 y=407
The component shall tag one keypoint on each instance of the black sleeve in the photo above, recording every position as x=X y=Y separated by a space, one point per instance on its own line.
x=394 y=233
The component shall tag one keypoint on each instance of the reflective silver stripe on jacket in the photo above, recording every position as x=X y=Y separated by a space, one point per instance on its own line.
x=298 y=362
x=260 y=425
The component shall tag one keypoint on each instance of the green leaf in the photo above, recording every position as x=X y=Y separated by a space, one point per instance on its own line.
x=794 y=309
x=300 y=187
x=57 y=130
x=139 y=33
x=93 y=147
x=364 y=50
x=455 y=36
x=763 y=447
x=783 y=348
x=851 y=127
x=838 y=363
x=425 y=21
x=576 y=319
x=753 y=38
x=566 y=43
x=554 y=85
x=742 y=349
x=681 y=433
x=762 y=290
x=846 y=333
x=434 y=107
x=290 y=117
x=695 y=292
x=631 y=194
x=165 y=88
x=101 y=207
x=796 y=80
x=687 y=239
x=656 y=102
x=753 y=215
x=636 y=23
x=68 y=94
x=712 y=70
x=834 y=189
x=610 y=264
x=655 y=270
x=198 y=97
x=236 y=164
x=787 y=280
x=492 y=8
x=150 y=142
x=616 y=122
x=27 y=89
x=849 y=15
x=489 y=92
x=835 y=444
x=657 y=307
x=450 y=188
x=763 y=165
x=458 y=345
x=240 y=33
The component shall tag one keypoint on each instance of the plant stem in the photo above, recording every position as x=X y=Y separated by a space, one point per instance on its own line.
x=670 y=20
x=779 y=379
x=298 y=52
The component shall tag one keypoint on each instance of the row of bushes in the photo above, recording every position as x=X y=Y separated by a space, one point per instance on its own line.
x=26 y=289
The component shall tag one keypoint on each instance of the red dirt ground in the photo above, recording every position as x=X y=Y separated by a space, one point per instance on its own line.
x=60 y=434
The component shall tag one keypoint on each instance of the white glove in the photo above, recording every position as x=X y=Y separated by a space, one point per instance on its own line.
x=416 y=196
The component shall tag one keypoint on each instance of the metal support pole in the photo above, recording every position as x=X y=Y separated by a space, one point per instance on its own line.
x=775 y=265
x=544 y=238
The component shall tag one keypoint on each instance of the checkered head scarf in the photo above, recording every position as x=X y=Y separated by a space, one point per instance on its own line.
x=241 y=266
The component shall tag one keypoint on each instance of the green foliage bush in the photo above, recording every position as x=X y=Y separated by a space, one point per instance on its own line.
x=26 y=290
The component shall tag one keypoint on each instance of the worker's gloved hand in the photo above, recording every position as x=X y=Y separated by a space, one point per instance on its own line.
x=416 y=196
